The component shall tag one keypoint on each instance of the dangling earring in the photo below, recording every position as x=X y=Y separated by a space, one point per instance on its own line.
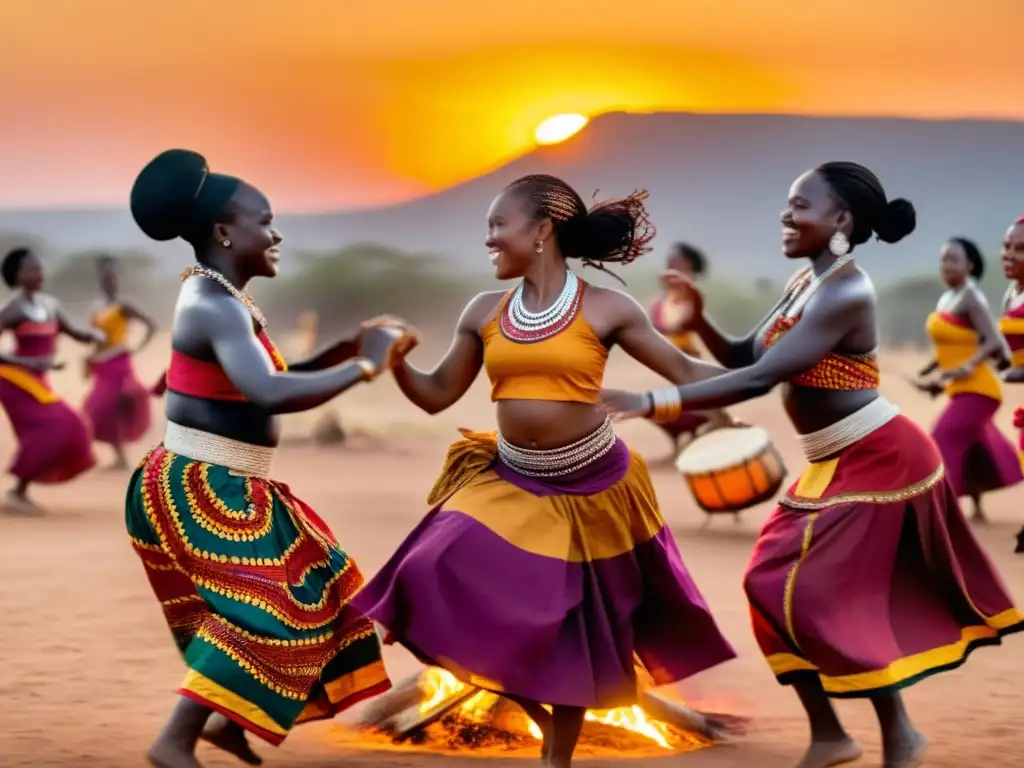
x=540 y=246
x=226 y=243
x=839 y=245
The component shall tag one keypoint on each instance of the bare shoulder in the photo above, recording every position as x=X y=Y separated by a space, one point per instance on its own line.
x=975 y=296
x=480 y=309
x=204 y=312
x=614 y=302
x=851 y=292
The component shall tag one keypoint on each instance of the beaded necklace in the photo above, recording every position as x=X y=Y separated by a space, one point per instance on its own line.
x=519 y=324
x=243 y=297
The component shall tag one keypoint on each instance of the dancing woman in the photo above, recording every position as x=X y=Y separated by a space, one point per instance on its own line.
x=252 y=582
x=1011 y=324
x=544 y=569
x=672 y=315
x=117 y=404
x=977 y=457
x=867 y=578
x=54 y=442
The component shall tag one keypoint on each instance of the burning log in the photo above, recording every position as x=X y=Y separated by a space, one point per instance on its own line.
x=461 y=715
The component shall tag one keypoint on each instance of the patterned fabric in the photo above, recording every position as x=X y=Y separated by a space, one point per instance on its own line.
x=835 y=371
x=255 y=590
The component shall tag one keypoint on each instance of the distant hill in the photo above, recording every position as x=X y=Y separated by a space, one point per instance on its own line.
x=718 y=180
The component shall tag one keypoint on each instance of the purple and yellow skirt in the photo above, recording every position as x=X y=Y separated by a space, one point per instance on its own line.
x=553 y=591
x=54 y=441
x=868 y=577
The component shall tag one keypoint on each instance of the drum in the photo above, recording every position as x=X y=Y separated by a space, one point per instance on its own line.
x=729 y=470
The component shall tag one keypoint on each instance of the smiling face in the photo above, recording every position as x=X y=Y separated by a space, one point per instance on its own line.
x=811 y=218
x=1012 y=254
x=251 y=232
x=513 y=233
x=954 y=265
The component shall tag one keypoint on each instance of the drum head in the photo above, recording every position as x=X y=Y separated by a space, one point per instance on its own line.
x=722 y=448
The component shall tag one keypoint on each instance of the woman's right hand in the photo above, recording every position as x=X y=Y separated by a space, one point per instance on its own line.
x=684 y=286
x=379 y=344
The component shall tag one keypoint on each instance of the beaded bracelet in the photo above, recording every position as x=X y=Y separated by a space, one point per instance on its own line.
x=667 y=404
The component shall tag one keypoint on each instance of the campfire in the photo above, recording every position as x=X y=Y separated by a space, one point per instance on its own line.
x=436 y=712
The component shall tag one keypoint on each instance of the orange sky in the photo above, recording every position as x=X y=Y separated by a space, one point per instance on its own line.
x=331 y=103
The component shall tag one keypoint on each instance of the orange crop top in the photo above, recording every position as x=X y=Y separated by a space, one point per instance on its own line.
x=836 y=371
x=114 y=323
x=567 y=367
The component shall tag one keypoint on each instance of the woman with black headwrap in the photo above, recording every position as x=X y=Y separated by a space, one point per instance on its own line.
x=867 y=577
x=252 y=582
x=54 y=441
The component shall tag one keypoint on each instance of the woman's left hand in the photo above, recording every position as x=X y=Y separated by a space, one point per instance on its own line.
x=622 y=405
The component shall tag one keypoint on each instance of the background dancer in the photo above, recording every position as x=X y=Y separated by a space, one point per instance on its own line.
x=54 y=442
x=544 y=568
x=252 y=582
x=867 y=578
x=1011 y=324
x=672 y=315
x=118 y=405
x=977 y=457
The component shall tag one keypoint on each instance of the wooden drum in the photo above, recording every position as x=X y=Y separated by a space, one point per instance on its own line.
x=729 y=470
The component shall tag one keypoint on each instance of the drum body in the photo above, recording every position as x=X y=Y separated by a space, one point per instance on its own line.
x=729 y=470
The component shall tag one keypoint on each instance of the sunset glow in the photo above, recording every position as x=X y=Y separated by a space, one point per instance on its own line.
x=333 y=105
x=558 y=128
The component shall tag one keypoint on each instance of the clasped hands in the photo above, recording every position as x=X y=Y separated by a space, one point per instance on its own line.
x=386 y=340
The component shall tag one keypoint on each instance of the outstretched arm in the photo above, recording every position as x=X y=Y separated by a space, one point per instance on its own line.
x=132 y=313
x=327 y=356
x=228 y=327
x=729 y=351
x=640 y=340
x=68 y=328
x=434 y=391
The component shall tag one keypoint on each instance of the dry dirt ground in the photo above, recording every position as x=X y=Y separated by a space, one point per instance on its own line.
x=88 y=668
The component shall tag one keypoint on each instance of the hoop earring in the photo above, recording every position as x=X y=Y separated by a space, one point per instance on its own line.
x=540 y=246
x=839 y=245
x=226 y=243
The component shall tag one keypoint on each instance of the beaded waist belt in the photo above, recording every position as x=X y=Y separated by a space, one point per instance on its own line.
x=845 y=432
x=558 y=461
x=242 y=458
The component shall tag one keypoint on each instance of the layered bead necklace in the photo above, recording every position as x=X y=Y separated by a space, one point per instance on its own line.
x=243 y=297
x=521 y=325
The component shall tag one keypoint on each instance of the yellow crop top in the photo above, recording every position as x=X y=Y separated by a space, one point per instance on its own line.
x=113 y=322
x=955 y=343
x=567 y=367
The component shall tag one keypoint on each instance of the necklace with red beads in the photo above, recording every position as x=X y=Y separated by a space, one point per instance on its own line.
x=519 y=324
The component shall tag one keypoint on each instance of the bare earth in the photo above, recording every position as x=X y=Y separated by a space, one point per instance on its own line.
x=89 y=671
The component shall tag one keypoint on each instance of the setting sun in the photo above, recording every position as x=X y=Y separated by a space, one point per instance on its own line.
x=559 y=128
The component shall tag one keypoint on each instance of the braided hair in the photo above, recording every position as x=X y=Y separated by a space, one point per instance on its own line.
x=609 y=232
x=859 y=191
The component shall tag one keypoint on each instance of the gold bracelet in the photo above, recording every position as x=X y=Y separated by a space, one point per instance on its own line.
x=369 y=369
x=668 y=405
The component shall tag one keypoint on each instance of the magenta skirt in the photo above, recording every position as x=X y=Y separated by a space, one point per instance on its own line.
x=118 y=406
x=978 y=457
x=54 y=442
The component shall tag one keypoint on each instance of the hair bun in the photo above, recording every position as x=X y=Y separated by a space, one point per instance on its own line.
x=163 y=195
x=898 y=220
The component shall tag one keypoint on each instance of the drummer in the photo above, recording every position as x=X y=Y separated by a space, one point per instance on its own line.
x=673 y=316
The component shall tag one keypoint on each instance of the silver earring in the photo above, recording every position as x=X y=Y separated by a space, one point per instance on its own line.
x=540 y=246
x=839 y=245
x=226 y=243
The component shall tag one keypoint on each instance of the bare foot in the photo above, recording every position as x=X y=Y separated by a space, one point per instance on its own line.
x=822 y=754
x=15 y=502
x=908 y=753
x=167 y=754
x=230 y=737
